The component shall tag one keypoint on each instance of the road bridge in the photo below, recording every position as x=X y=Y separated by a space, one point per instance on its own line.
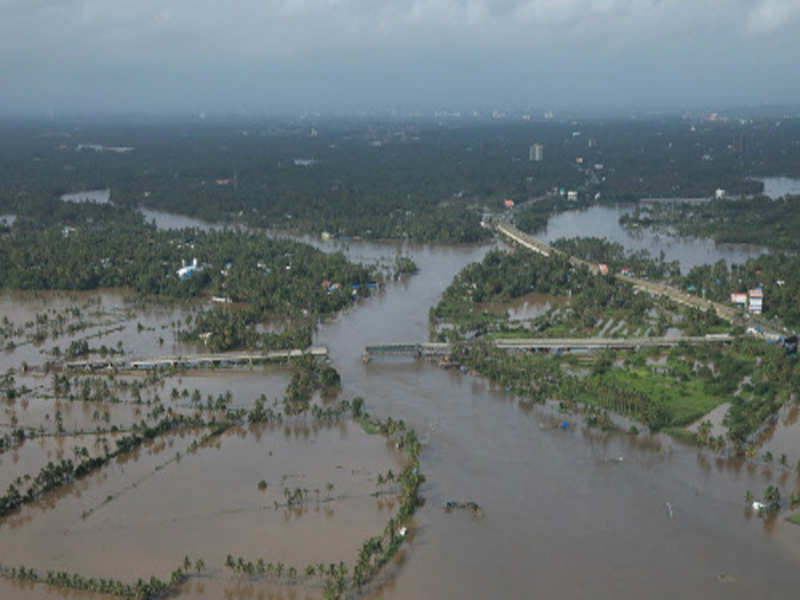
x=599 y=343
x=728 y=313
x=559 y=345
x=194 y=361
x=419 y=350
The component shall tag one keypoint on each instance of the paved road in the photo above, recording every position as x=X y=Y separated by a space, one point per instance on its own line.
x=728 y=313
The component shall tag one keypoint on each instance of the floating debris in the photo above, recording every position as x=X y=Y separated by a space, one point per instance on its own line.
x=473 y=507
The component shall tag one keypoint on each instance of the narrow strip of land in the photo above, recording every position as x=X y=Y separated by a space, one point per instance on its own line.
x=728 y=313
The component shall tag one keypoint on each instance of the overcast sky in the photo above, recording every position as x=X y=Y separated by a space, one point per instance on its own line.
x=349 y=55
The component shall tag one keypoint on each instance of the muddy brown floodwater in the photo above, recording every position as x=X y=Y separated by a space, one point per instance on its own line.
x=149 y=511
x=563 y=517
x=567 y=513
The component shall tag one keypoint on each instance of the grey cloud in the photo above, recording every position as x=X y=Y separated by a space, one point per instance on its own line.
x=282 y=54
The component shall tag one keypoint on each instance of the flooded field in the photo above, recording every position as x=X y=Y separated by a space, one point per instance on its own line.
x=248 y=385
x=715 y=417
x=527 y=307
x=30 y=591
x=34 y=454
x=101 y=318
x=207 y=503
x=782 y=438
x=40 y=414
x=567 y=512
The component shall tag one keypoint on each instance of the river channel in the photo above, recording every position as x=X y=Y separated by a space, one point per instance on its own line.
x=564 y=517
x=567 y=513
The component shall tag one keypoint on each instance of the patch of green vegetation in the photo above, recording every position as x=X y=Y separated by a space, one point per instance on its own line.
x=503 y=276
x=681 y=402
x=794 y=519
x=405 y=266
x=369 y=427
x=692 y=381
x=595 y=305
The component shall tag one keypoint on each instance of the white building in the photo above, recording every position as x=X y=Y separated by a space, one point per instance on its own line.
x=187 y=271
x=536 y=153
x=756 y=297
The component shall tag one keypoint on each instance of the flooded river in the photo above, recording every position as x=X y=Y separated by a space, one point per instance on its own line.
x=603 y=222
x=567 y=513
x=563 y=516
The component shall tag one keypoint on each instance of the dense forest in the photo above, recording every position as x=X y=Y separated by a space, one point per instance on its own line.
x=271 y=275
x=421 y=179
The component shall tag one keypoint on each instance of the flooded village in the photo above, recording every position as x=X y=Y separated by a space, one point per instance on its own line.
x=304 y=492
x=293 y=375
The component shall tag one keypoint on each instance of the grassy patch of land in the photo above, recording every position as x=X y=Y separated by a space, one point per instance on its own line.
x=683 y=401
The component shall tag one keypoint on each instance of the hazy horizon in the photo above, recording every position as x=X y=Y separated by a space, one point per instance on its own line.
x=351 y=56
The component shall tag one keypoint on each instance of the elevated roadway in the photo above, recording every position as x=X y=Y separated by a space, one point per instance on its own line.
x=420 y=350
x=194 y=361
x=728 y=313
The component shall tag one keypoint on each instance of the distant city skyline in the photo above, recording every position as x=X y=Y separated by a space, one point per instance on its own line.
x=349 y=56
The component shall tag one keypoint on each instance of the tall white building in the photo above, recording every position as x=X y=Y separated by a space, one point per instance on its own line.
x=536 y=153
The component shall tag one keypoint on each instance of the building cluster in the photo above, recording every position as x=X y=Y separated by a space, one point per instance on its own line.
x=752 y=300
x=332 y=287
